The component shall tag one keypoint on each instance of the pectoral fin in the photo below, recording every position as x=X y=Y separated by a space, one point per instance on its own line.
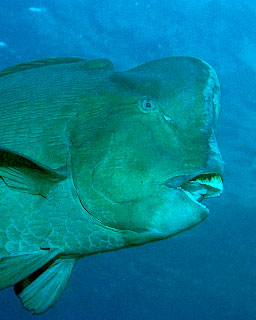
x=41 y=290
x=24 y=175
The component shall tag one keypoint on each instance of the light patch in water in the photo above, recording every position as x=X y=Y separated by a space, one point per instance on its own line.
x=3 y=44
x=35 y=9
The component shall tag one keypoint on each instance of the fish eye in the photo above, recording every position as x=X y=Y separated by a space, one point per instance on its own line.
x=148 y=105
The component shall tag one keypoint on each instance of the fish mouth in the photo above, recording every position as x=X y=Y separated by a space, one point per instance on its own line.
x=200 y=187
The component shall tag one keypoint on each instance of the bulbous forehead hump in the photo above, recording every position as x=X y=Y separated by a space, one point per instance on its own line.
x=181 y=67
x=161 y=77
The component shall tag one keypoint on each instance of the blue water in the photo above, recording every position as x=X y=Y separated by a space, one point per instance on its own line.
x=208 y=272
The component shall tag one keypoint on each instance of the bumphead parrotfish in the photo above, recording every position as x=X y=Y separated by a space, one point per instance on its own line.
x=93 y=160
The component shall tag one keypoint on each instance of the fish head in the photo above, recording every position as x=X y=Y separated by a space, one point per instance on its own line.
x=149 y=155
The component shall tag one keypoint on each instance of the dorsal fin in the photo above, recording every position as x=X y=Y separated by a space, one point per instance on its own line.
x=95 y=64
x=98 y=64
x=40 y=63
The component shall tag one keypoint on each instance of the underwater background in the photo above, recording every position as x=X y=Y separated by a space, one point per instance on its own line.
x=208 y=272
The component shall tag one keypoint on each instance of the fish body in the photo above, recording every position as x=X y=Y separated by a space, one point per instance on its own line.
x=93 y=160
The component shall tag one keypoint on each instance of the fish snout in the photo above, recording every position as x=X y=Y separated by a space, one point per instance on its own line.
x=199 y=186
x=215 y=162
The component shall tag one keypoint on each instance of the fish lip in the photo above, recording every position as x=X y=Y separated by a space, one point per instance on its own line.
x=198 y=186
x=177 y=181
